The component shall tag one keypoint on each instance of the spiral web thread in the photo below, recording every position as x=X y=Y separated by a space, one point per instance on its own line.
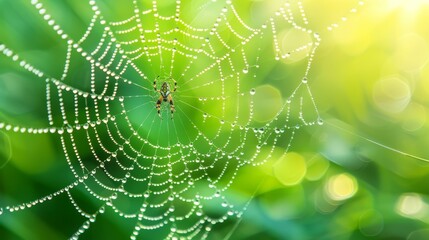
x=171 y=172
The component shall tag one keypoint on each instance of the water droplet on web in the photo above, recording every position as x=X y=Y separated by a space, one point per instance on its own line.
x=1 y=211
x=171 y=209
x=245 y=70
x=146 y=194
x=320 y=121
x=114 y=196
x=304 y=80
x=217 y=193
x=171 y=197
x=252 y=91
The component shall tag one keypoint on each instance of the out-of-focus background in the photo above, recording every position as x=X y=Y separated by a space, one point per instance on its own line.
x=350 y=178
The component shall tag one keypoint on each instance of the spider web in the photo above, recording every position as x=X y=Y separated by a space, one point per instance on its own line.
x=169 y=174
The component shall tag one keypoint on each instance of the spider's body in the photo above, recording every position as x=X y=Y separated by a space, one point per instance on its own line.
x=165 y=93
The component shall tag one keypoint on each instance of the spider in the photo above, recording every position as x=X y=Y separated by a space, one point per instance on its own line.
x=165 y=95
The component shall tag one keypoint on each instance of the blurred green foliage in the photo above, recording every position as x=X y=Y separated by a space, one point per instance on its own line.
x=370 y=83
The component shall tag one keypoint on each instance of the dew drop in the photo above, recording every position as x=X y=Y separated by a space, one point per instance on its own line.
x=146 y=194
x=320 y=121
x=304 y=80
x=171 y=197
x=245 y=70
x=217 y=193
x=114 y=196
x=252 y=91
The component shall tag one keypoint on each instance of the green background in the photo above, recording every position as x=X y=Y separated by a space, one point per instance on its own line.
x=347 y=179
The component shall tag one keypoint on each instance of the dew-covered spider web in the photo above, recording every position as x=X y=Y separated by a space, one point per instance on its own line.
x=168 y=176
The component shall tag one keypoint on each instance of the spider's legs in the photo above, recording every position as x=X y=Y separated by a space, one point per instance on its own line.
x=172 y=109
x=175 y=84
x=154 y=84
x=158 y=106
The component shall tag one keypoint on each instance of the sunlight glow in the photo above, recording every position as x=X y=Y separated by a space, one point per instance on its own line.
x=290 y=169
x=410 y=205
x=341 y=187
